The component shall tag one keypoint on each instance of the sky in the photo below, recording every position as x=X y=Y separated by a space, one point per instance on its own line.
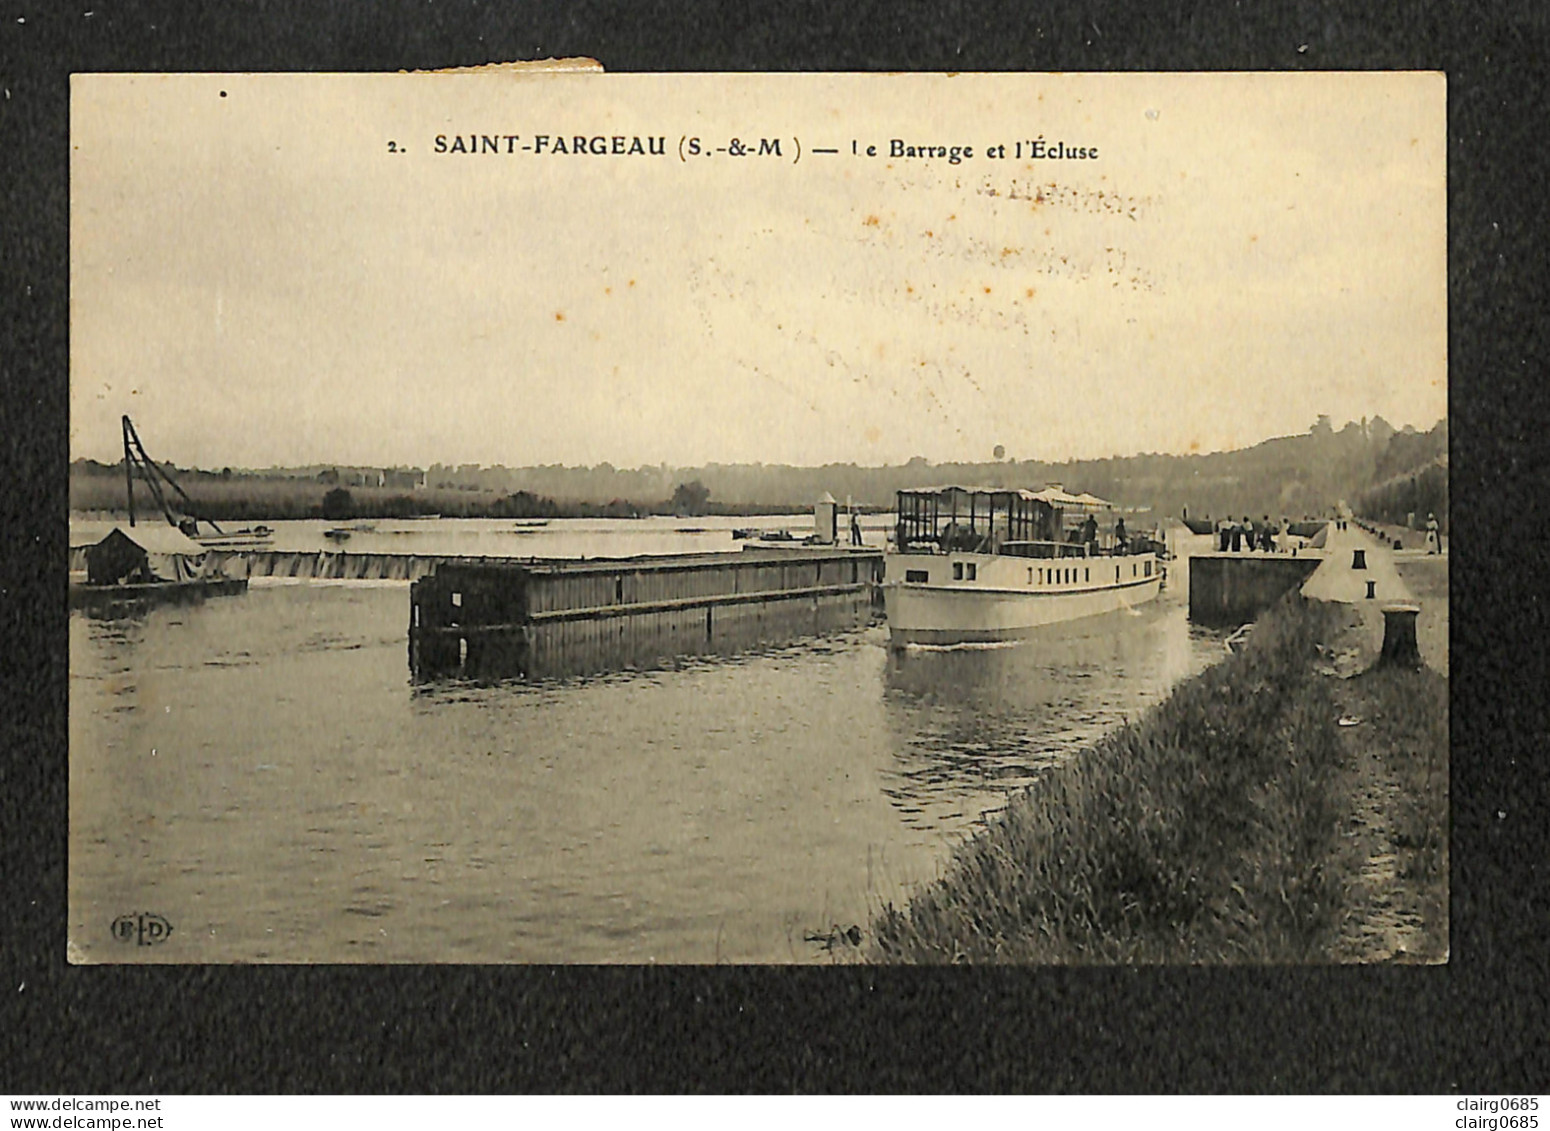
x=282 y=269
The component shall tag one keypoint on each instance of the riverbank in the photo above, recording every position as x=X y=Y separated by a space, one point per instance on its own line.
x=1270 y=811
x=255 y=499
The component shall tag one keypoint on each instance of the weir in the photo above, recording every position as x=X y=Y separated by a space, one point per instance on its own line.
x=489 y=620
x=323 y=564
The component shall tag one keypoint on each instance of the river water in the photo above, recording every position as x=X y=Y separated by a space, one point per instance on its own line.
x=260 y=772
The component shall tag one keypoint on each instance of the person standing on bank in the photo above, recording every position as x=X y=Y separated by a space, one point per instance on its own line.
x=1250 y=535
x=1223 y=535
x=1236 y=532
x=1267 y=536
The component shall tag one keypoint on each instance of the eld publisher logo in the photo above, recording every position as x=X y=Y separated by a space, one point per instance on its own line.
x=142 y=929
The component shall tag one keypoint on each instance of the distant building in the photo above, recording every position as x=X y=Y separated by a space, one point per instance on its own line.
x=410 y=478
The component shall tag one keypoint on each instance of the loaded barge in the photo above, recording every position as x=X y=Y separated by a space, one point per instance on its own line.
x=540 y=619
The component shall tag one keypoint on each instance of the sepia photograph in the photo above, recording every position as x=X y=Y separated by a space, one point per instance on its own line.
x=536 y=515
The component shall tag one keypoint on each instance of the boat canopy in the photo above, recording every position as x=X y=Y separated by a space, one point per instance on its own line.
x=1054 y=495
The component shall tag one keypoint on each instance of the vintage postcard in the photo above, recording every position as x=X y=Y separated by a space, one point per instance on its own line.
x=561 y=517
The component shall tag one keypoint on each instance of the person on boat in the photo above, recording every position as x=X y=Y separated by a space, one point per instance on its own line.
x=1090 y=534
x=1433 y=535
x=855 y=529
x=1120 y=537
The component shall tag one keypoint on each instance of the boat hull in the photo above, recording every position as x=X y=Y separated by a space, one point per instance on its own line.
x=235 y=541
x=990 y=609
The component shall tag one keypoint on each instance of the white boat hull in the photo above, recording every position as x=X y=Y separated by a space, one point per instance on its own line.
x=1008 y=597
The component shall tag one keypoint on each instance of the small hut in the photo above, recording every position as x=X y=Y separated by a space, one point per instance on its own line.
x=144 y=555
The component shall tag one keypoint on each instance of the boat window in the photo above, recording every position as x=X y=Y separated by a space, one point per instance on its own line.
x=1116 y=573
x=1149 y=569
x=1030 y=575
x=457 y=600
x=974 y=571
x=957 y=571
x=919 y=575
x=1132 y=569
x=1087 y=573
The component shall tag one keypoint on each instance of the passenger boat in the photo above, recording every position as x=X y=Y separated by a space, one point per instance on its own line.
x=987 y=564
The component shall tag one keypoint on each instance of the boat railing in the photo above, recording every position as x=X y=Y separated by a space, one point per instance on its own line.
x=1028 y=548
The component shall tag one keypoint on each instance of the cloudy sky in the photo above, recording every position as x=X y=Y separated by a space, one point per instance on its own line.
x=257 y=279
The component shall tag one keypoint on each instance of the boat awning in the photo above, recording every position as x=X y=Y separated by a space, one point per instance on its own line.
x=1054 y=496
x=927 y=492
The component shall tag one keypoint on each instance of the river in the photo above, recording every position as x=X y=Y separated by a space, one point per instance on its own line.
x=260 y=772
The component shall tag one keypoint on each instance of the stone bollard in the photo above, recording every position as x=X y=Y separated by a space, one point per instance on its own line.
x=1358 y=558
x=1399 y=646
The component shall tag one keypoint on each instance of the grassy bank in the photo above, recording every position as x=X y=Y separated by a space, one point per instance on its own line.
x=1396 y=776
x=1215 y=829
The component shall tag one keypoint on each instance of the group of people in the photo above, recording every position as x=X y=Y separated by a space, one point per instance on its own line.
x=1246 y=536
x=1087 y=535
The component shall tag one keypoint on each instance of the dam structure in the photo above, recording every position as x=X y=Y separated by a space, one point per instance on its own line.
x=321 y=565
x=497 y=620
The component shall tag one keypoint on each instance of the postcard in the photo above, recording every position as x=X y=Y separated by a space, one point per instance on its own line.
x=549 y=516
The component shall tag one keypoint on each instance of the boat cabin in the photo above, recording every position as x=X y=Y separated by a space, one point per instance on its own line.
x=1001 y=520
x=144 y=555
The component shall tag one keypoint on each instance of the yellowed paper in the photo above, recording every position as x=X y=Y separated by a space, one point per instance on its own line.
x=394 y=285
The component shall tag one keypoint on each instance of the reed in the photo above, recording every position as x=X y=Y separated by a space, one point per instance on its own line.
x=1207 y=831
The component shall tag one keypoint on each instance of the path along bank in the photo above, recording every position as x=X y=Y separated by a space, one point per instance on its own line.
x=1286 y=805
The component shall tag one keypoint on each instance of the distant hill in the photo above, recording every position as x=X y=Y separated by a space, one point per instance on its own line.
x=1290 y=476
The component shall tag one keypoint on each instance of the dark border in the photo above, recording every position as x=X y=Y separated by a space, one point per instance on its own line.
x=1477 y=1024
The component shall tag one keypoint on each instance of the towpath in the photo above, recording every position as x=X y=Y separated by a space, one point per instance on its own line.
x=1396 y=828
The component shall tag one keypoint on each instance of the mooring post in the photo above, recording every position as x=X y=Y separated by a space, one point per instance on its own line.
x=1399 y=645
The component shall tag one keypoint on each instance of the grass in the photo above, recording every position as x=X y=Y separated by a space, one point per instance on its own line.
x=1208 y=831
x=1403 y=747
